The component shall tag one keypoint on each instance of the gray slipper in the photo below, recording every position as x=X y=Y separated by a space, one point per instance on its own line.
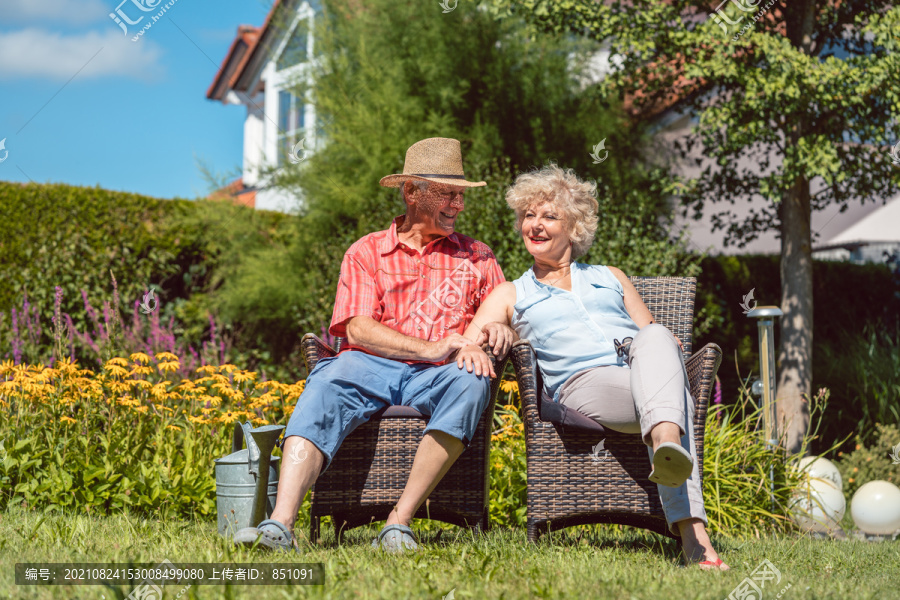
x=271 y=534
x=396 y=538
x=672 y=465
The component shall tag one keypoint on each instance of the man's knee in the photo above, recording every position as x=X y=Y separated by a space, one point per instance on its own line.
x=468 y=388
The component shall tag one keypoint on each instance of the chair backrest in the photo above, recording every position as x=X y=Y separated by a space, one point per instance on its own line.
x=671 y=302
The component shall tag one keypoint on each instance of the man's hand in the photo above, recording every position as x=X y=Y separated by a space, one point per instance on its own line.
x=498 y=336
x=473 y=357
x=441 y=350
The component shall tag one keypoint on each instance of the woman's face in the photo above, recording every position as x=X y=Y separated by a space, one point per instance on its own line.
x=546 y=234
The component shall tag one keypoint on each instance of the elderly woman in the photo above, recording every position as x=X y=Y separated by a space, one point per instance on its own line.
x=573 y=313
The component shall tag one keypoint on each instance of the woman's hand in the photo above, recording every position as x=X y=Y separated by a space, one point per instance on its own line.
x=498 y=336
x=474 y=358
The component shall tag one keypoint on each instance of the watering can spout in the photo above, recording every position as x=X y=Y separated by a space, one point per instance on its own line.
x=260 y=443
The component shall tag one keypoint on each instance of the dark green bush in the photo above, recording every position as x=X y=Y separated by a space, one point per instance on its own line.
x=855 y=353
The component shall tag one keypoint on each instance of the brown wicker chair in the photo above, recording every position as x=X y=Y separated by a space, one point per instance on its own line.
x=370 y=470
x=570 y=484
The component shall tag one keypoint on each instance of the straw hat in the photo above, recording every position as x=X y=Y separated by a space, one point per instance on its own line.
x=434 y=159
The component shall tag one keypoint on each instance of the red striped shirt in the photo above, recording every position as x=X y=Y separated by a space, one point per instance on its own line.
x=428 y=295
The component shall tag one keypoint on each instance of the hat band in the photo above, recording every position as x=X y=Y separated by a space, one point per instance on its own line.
x=442 y=176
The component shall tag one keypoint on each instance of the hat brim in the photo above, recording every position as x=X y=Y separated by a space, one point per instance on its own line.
x=393 y=181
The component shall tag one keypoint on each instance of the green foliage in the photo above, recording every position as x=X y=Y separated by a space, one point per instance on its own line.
x=109 y=462
x=509 y=478
x=737 y=464
x=75 y=237
x=514 y=103
x=856 y=354
x=59 y=235
x=872 y=462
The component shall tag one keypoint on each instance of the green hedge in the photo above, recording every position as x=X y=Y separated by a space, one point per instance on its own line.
x=75 y=237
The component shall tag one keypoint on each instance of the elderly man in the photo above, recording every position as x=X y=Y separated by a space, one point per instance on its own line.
x=404 y=298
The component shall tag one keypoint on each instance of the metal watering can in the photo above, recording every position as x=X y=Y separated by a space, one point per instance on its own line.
x=247 y=480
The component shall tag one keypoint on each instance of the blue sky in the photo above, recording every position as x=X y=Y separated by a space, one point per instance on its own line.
x=135 y=116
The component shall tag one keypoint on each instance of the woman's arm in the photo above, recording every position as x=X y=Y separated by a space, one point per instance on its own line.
x=496 y=308
x=636 y=308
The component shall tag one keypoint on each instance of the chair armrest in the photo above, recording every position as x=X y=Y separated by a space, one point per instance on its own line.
x=529 y=378
x=701 y=370
x=313 y=349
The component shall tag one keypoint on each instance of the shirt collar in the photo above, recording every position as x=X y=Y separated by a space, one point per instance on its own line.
x=392 y=241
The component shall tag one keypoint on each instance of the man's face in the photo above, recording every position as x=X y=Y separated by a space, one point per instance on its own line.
x=437 y=207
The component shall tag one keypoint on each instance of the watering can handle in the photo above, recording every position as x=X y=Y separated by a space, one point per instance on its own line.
x=241 y=433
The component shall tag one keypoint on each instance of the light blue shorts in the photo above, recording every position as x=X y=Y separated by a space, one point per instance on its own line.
x=344 y=391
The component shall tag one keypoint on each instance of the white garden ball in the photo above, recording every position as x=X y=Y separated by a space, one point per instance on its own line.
x=875 y=508
x=818 y=506
x=821 y=468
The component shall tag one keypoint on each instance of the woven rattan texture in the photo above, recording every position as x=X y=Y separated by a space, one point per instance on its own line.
x=370 y=470
x=573 y=481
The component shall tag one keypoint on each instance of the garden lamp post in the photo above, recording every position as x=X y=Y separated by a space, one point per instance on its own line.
x=766 y=325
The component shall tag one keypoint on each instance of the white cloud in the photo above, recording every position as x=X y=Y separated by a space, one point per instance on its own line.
x=69 y=11
x=50 y=55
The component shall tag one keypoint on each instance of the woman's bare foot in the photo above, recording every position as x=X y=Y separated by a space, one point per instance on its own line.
x=697 y=547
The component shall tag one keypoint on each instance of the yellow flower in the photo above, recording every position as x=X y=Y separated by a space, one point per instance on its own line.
x=115 y=370
x=167 y=367
x=141 y=370
x=242 y=376
x=173 y=427
x=198 y=420
x=141 y=409
x=166 y=356
x=65 y=419
x=140 y=357
x=117 y=361
x=509 y=385
x=227 y=368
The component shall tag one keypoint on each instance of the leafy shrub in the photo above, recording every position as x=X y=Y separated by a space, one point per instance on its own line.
x=75 y=238
x=870 y=463
x=508 y=468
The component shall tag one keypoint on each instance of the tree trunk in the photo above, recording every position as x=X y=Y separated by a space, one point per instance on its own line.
x=795 y=349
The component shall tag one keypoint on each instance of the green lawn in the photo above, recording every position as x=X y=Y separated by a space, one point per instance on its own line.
x=588 y=562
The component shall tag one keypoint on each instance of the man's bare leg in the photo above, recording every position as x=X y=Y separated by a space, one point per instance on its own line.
x=301 y=463
x=436 y=454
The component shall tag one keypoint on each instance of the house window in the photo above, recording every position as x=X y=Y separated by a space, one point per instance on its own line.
x=294 y=51
x=291 y=114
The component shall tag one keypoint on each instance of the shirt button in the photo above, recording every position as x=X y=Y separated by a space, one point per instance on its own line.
x=419 y=328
